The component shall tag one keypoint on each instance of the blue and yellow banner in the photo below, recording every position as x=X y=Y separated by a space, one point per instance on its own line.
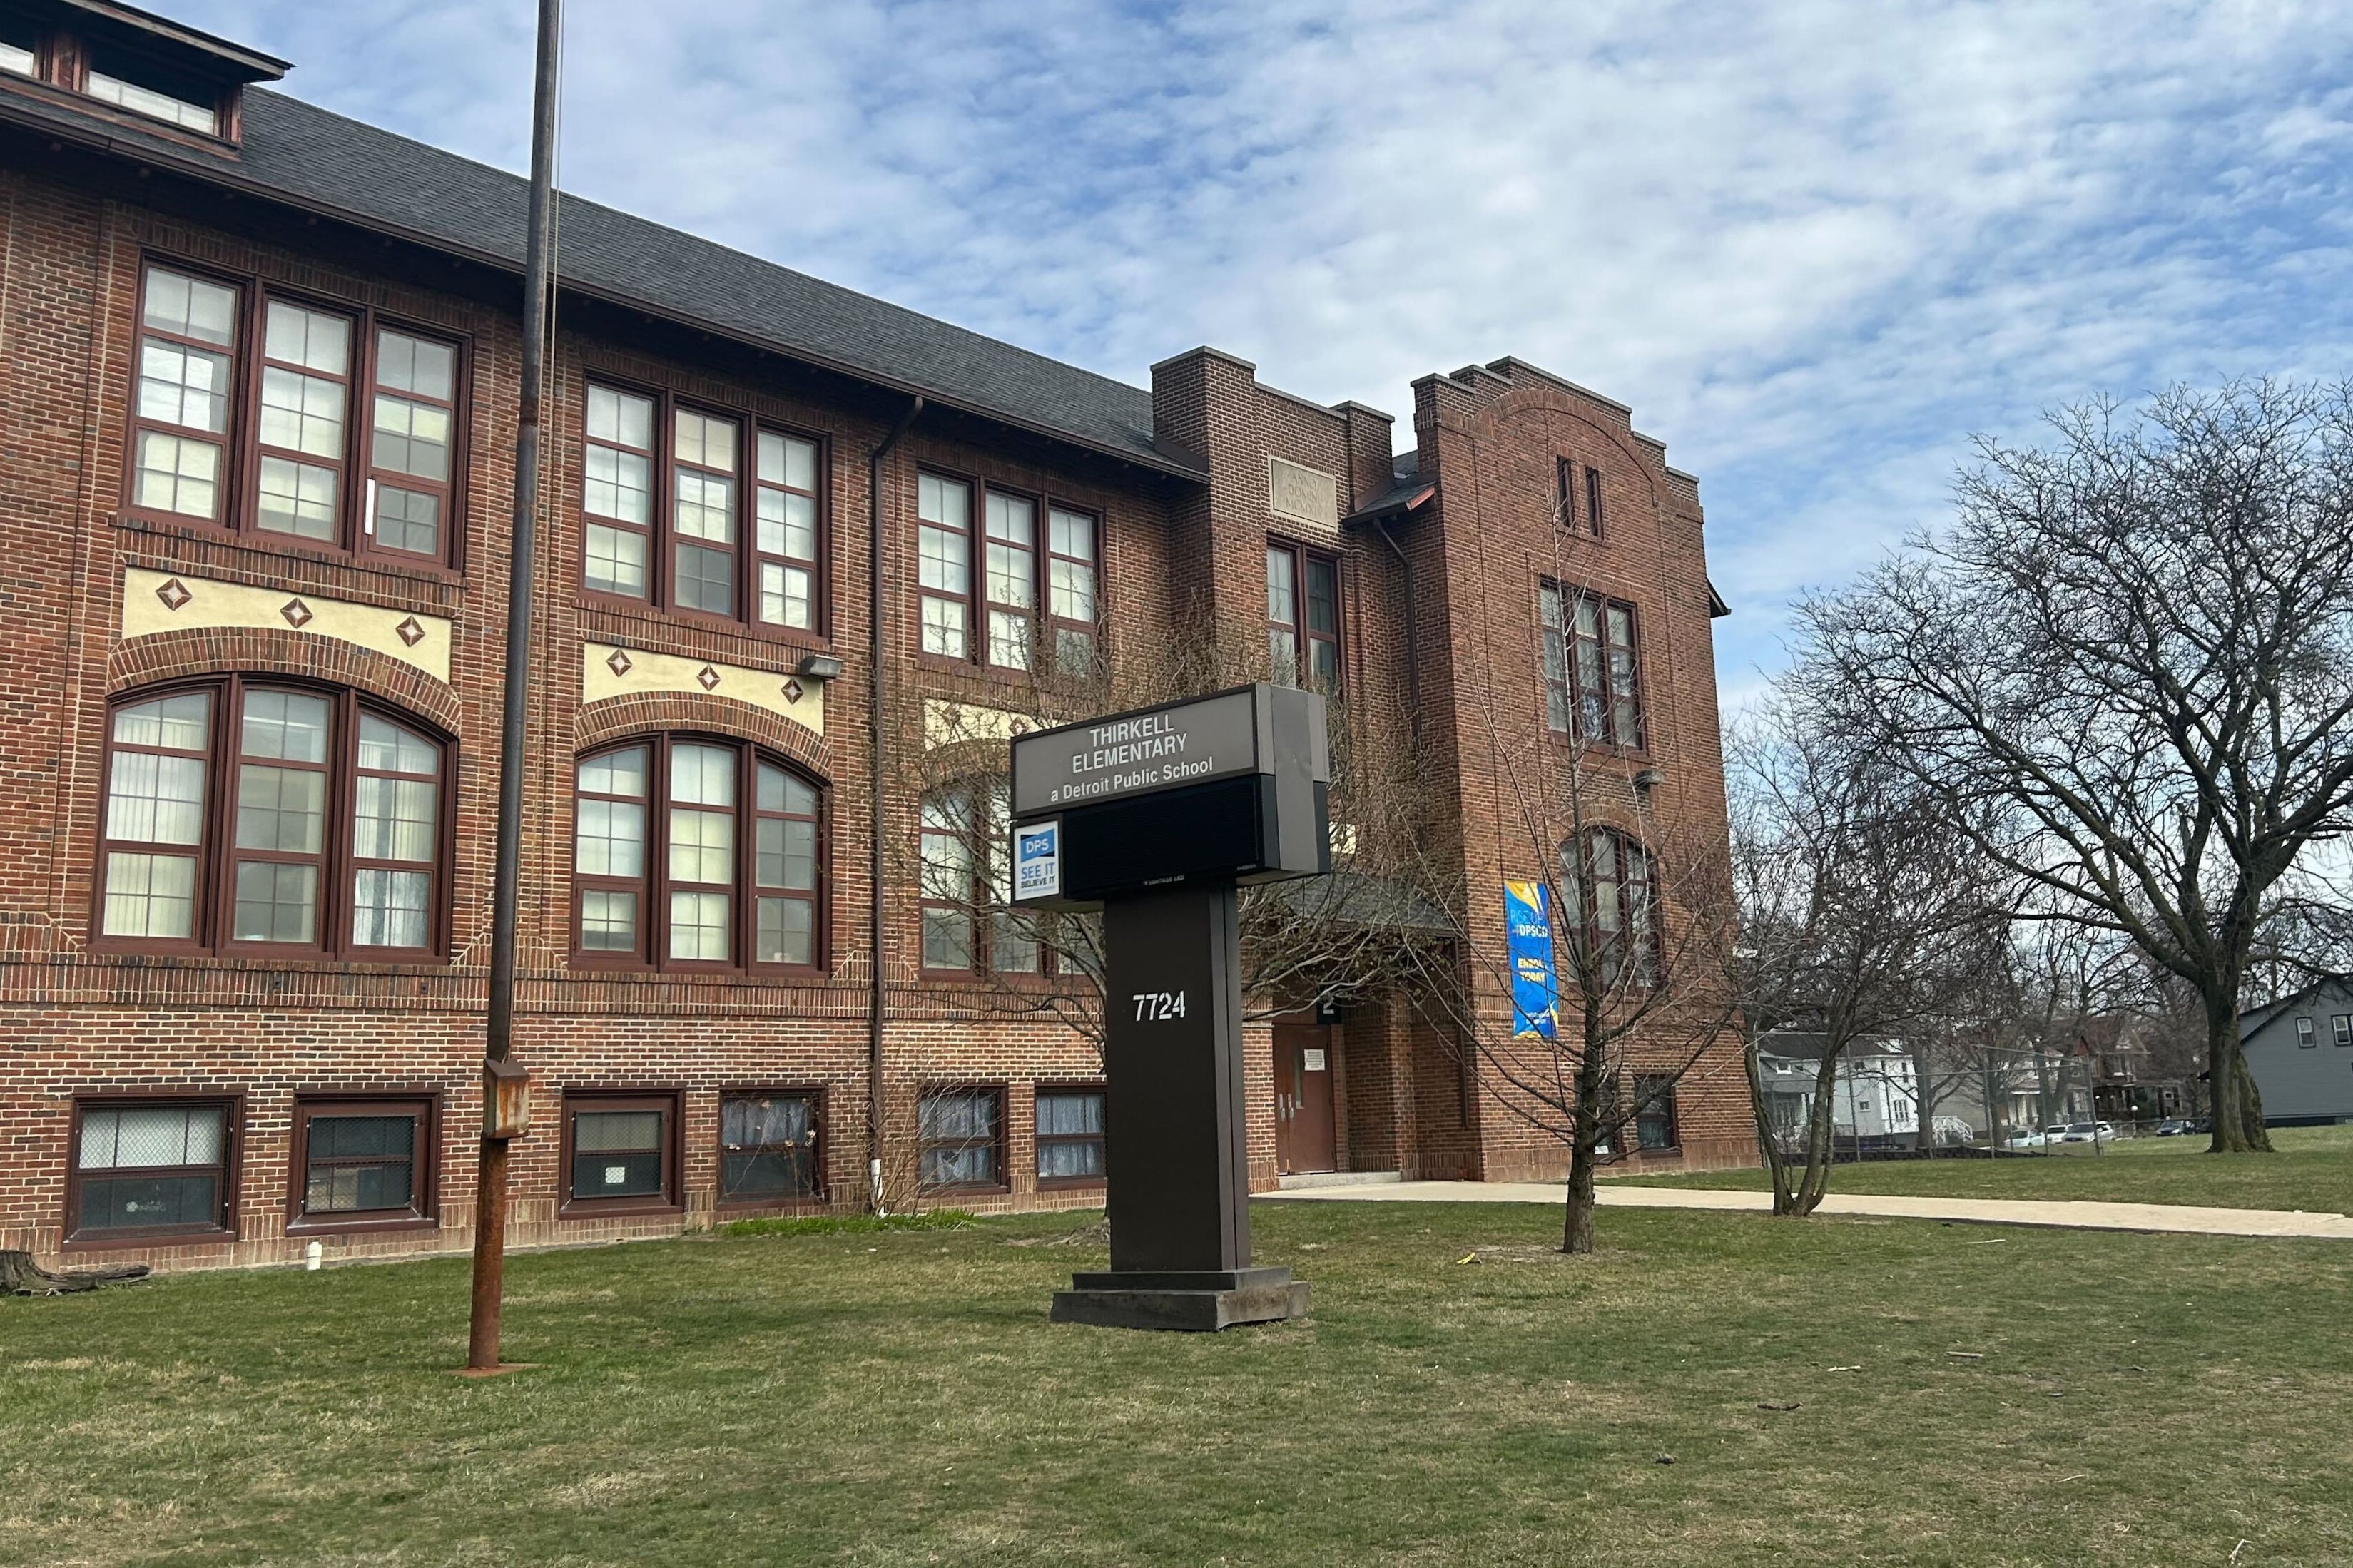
x=1527 y=919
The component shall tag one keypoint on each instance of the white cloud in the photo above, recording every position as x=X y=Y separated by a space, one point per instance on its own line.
x=1815 y=243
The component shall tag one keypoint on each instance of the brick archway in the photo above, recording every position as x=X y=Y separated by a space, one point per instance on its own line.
x=257 y=651
x=639 y=714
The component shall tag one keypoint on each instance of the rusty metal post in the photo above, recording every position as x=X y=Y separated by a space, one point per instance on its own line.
x=499 y=1077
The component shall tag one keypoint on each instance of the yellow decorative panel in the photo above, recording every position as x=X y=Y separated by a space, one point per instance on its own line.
x=606 y=670
x=172 y=601
x=949 y=723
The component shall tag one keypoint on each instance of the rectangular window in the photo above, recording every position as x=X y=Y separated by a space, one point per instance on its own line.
x=701 y=853
x=609 y=856
x=281 y=816
x=767 y=1148
x=2341 y=1027
x=618 y=1151
x=187 y=369
x=1012 y=580
x=1014 y=936
x=784 y=870
x=305 y=390
x=943 y=510
x=1071 y=589
x=362 y=1162
x=20 y=48
x=960 y=1138
x=1069 y=1135
x=2306 y=1037
x=170 y=108
x=1302 y=613
x=617 y=492
x=1593 y=502
x=1654 y=1113
x=1592 y=688
x=946 y=882
x=347 y=427
x=1564 y=493
x=411 y=429
x=702 y=516
x=145 y=1170
x=786 y=544
x=395 y=836
x=156 y=817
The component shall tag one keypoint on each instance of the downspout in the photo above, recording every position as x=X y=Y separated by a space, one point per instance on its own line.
x=874 y=656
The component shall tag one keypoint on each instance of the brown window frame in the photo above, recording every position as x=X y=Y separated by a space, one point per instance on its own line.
x=816 y=1096
x=816 y=564
x=979 y=797
x=653 y=886
x=1647 y=936
x=1058 y=626
x=1564 y=660
x=1304 y=558
x=231 y=1105
x=999 y=1146
x=1593 y=502
x=422 y=1212
x=1652 y=1091
x=672 y=1198
x=1038 y=1139
x=239 y=480
x=975 y=600
x=217 y=853
x=660 y=530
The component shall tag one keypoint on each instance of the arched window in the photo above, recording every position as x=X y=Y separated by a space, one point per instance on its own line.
x=675 y=837
x=247 y=815
x=1612 y=887
x=969 y=922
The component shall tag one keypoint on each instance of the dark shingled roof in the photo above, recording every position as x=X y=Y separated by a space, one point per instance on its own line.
x=325 y=162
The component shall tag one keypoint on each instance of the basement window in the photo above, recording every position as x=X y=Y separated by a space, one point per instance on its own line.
x=153 y=101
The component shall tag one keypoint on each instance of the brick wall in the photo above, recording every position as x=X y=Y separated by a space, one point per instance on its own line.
x=1181 y=562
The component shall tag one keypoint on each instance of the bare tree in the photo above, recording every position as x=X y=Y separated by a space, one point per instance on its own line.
x=1310 y=941
x=1863 y=911
x=2127 y=668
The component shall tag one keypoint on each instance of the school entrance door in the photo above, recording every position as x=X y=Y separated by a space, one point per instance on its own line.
x=1303 y=1125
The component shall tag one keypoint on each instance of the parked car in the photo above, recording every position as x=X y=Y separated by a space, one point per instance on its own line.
x=2059 y=1133
x=2173 y=1128
x=2026 y=1137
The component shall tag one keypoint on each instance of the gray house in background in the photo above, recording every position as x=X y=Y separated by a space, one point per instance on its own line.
x=2301 y=1051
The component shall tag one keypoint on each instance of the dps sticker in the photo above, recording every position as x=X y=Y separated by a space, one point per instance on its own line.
x=1038 y=860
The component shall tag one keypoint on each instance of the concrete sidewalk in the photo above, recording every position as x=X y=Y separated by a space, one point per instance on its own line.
x=2150 y=1217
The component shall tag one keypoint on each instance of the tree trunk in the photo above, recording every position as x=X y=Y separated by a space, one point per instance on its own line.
x=2238 y=1103
x=1768 y=1134
x=1924 y=1107
x=1577 y=1229
x=1816 y=1179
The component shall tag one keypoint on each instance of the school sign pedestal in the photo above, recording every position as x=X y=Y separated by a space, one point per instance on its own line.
x=1157 y=817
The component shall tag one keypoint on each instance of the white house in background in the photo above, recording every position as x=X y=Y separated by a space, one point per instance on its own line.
x=1875 y=1093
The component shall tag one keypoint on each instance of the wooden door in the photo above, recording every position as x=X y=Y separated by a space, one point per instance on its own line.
x=1304 y=1124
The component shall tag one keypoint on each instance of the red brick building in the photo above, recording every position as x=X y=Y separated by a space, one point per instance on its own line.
x=258 y=370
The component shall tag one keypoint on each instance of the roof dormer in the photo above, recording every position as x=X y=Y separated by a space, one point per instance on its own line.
x=124 y=63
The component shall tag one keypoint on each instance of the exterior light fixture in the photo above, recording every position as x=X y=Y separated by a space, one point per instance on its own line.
x=819 y=667
x=1649 y=779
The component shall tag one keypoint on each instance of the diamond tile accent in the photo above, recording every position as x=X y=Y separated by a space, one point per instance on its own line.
x=296 y=614
x=707 y=678
x=409 y=631
x=174 y=593
x=792 y=691
x=619 y=663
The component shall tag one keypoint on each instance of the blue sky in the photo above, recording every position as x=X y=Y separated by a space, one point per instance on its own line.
x=1816 y=244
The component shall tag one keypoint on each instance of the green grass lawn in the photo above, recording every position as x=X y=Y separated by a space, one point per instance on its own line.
x=899 y=1397
x=2312 y=1170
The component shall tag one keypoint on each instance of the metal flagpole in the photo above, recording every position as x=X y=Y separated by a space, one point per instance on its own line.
x=504 y=1105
